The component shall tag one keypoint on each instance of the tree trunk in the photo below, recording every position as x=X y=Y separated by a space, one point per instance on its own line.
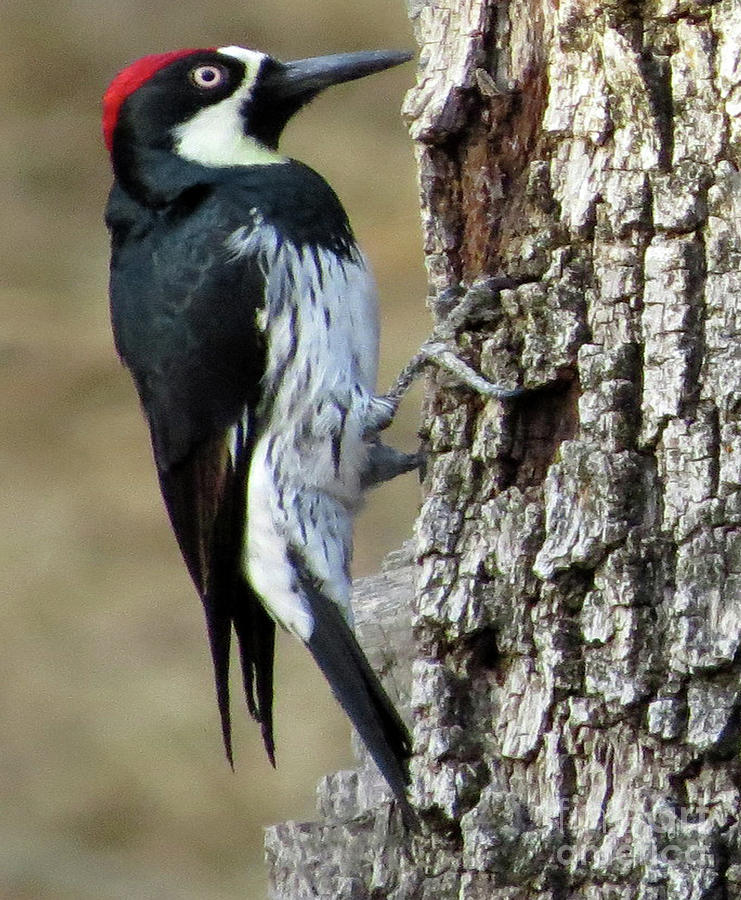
x=575 y=689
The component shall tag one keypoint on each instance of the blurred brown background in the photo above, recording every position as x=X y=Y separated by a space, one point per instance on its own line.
x=113 y=782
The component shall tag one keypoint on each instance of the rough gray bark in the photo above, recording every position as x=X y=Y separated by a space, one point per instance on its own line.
x=575 y=690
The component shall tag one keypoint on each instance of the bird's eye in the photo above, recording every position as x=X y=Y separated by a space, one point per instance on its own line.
x=208 y=77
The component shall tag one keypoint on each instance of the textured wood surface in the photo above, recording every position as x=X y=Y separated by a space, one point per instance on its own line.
x=575 y=686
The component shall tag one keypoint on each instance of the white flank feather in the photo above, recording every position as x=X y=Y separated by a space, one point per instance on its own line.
x=321 y=329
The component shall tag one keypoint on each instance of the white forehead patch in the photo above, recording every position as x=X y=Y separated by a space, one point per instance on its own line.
x=215 y=136
x=251 y=58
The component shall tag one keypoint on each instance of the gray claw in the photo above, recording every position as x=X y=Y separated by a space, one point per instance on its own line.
x=385 y=463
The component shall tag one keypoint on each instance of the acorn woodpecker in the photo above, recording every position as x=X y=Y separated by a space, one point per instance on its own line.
x=246 y=315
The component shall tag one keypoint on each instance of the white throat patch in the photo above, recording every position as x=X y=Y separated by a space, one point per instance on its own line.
x=215 y=135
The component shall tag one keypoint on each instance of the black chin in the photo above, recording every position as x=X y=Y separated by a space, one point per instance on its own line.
x=266 y=112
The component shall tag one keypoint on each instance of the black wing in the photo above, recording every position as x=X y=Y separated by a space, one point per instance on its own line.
x=183 y=314
x=205 y=498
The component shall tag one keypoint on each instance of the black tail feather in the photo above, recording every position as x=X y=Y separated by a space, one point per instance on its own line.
x=205 y=498
x=219 y=637
x=359 y=692
x=255 y=632
x=256 y=636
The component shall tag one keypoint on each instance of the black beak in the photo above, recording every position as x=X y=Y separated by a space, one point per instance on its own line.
x=302 y=79
x=283 y=88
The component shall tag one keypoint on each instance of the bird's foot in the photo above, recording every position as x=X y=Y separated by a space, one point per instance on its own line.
x=384 y=463
x=455 y=312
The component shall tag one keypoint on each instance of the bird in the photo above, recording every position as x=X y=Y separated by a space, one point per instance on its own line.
x=246 y=314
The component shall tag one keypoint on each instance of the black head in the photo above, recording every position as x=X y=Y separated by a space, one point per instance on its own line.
x=220 y=107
